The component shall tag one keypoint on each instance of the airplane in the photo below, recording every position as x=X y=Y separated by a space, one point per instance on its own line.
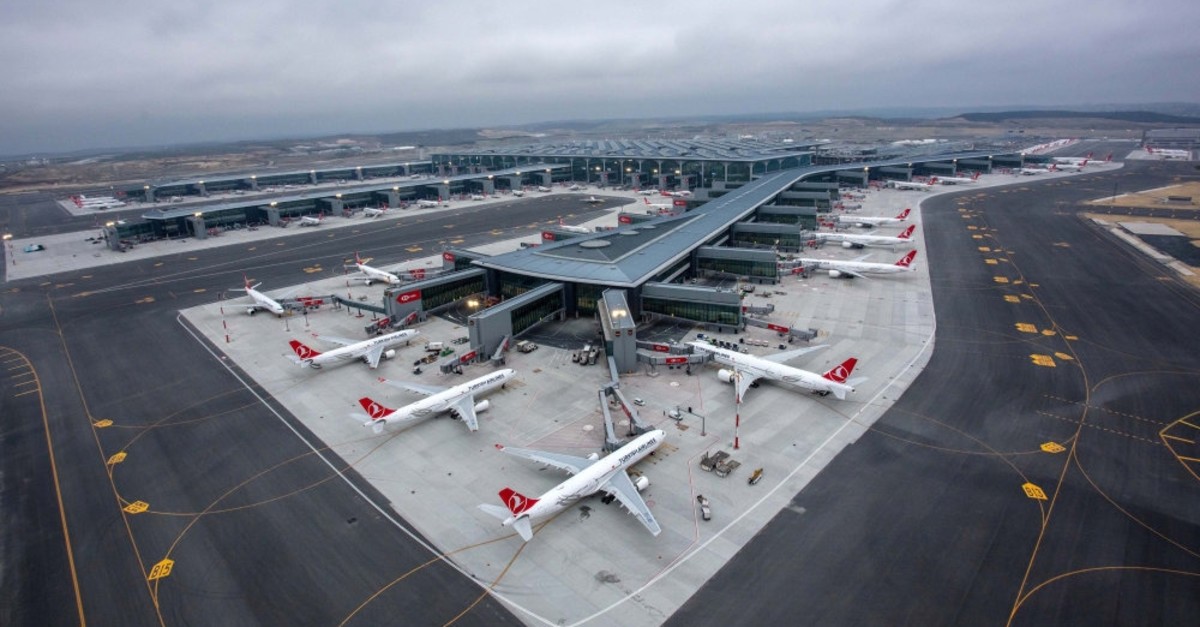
x=429 y=203
x=913 y=184
x=1168 y=153
x=458 y=400
x=955 y=180
x=866 y=221
x=83 y=202
x=589 y=475
x=1075 y=160
x=574 y=188
x=542 y=188
x=571 y=228
x=648 y=192
x=261 y=301
x=370 y=351
x=477 y=197
x=657 y=206
x=371 y=212
x=518 y=192
x=849 y=240
x=859 y=268
x=1032 y=171
x=748 y=369
x=1067 y=167
x=683 y=193
x=370 y=274
x=311 y=221
x=592 y=200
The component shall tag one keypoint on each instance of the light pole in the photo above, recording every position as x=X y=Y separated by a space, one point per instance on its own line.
x=737 y=402
x=8 y=243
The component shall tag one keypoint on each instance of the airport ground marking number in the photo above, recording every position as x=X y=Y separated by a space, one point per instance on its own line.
x=161 y=569
x=1052 y=447
x=1034 y=492
x=136 y=507
x=1043 y=360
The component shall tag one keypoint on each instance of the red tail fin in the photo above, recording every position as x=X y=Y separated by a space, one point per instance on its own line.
x=358 y=260
x=907 y=260
x=976 y=177
x=1108 y=158
x=839 y=373
x=375 y=410
x=933 y=180
x=302 y=351
x=907 y=232
x=903 y=214
x=247 y=279
x=516 y=502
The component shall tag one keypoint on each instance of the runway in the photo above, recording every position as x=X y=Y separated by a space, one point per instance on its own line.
x=1025 y=478
x=187 y=498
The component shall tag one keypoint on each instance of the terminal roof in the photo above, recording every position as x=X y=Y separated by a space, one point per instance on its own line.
x=690 y=149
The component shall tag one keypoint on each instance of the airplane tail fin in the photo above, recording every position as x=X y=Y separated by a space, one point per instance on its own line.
x=906 y=261
x=907 y=232
x=841 y=372
x=976 y=177
x=1108 y=158
x=933 y=180
x=303 y=352
x=904 y=214
x=377 y=412
x=516 y=502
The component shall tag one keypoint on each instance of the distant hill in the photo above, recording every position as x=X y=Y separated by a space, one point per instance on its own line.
x=1136 y=117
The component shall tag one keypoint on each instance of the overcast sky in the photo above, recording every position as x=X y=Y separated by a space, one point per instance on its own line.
x=88 y=73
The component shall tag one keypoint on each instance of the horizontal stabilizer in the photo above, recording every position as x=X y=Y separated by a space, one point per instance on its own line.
x=523 y=528
x=495 y=511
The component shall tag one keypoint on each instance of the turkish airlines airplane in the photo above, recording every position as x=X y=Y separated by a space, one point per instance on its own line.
x=850 y=240
x=1166 y=153
x=747 y=369
x=1032 y=171
x=648 y=192
x=955 y=180
x=370 y=351
x=261 y=301
x=311 y=221
x=83 y=202
x=428 y=204
x=370 y=274
x=1076 y=160
x=589 y=475
x=592 y=200
x=542 y=188
x=859 y=268
x=657 y=206
x=458 y=400
x=913 y=184
x=866 y=221
x=372 y=212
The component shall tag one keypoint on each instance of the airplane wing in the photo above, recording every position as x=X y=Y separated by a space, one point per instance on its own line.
x=569 y=463
x=373 y=355
x=852 y=273
x=423 y=390
x=465 y=408
x=621 y=487
x=744 y=381
x=786 y=356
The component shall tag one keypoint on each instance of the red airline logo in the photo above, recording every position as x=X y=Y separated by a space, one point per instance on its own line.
x=548 y=236
x=448 y=257
x=408 y=297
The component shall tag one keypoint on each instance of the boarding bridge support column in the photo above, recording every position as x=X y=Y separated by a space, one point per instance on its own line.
x=635 y=180
x=253 y=181
x=201 y=189
x=358 y=173
x=393 y=199
x=272 y=215
x=443 y=192
x=515 y=183
x=547 y=179
x=198 y=229
x=148 y=193
x=312 y=177
x=489 y=186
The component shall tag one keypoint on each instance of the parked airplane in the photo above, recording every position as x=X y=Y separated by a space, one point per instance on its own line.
x=477 y=197
x=571 y=228
x=458 y=400
x=429 y=204
x=913 y=184
x=955 y=180
x=370 y=351
x=370 y=274
x=647 y=192
x=747 y=369
x=1084 y=159
x=657 y=206
x=1067 y=167
x=859 y=268
x=261 y=301
x=518 y=192
x=542 y=188
x=108 y=202
x=311 y=221
x=589 y=476
x=575 y=188
x=1164 y=153
x=372 y=212
x=592 y=200
x=849 y=240
x=866 y=221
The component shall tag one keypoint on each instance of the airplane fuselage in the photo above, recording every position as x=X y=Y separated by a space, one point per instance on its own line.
x=766 y=369
x=359 y=350
x=444 y=400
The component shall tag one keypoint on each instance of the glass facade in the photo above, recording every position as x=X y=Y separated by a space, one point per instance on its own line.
x=784 y=240
x=437 y=295
x=586 y=297
x=514 y=284
x=741 y=267
x=530 y=314
x=730 y=315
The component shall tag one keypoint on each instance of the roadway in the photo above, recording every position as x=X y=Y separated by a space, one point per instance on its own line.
x=1041 y=470
x=161 y=453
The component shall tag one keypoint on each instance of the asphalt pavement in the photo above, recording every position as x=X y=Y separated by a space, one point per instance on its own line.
x=187 y=497
x=1025 y=477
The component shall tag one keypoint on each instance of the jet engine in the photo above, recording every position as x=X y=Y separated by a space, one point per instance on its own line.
x=594 y=456
x=389 y=353
x=482 y=406
x=250 y=311
x=847 y=244
x=725 y=375
x=642 y=483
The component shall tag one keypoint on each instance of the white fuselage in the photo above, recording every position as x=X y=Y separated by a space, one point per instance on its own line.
x=375 y=274
x=870 y=220
x=427 y=203
x=955 y=180
x=910 y=185
x=590 y=479
x=850 y=240
x=357 y=351
x=573 y=229
x=442 y=401
x=767 y=369
x=861 y=267
x=264 y=302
